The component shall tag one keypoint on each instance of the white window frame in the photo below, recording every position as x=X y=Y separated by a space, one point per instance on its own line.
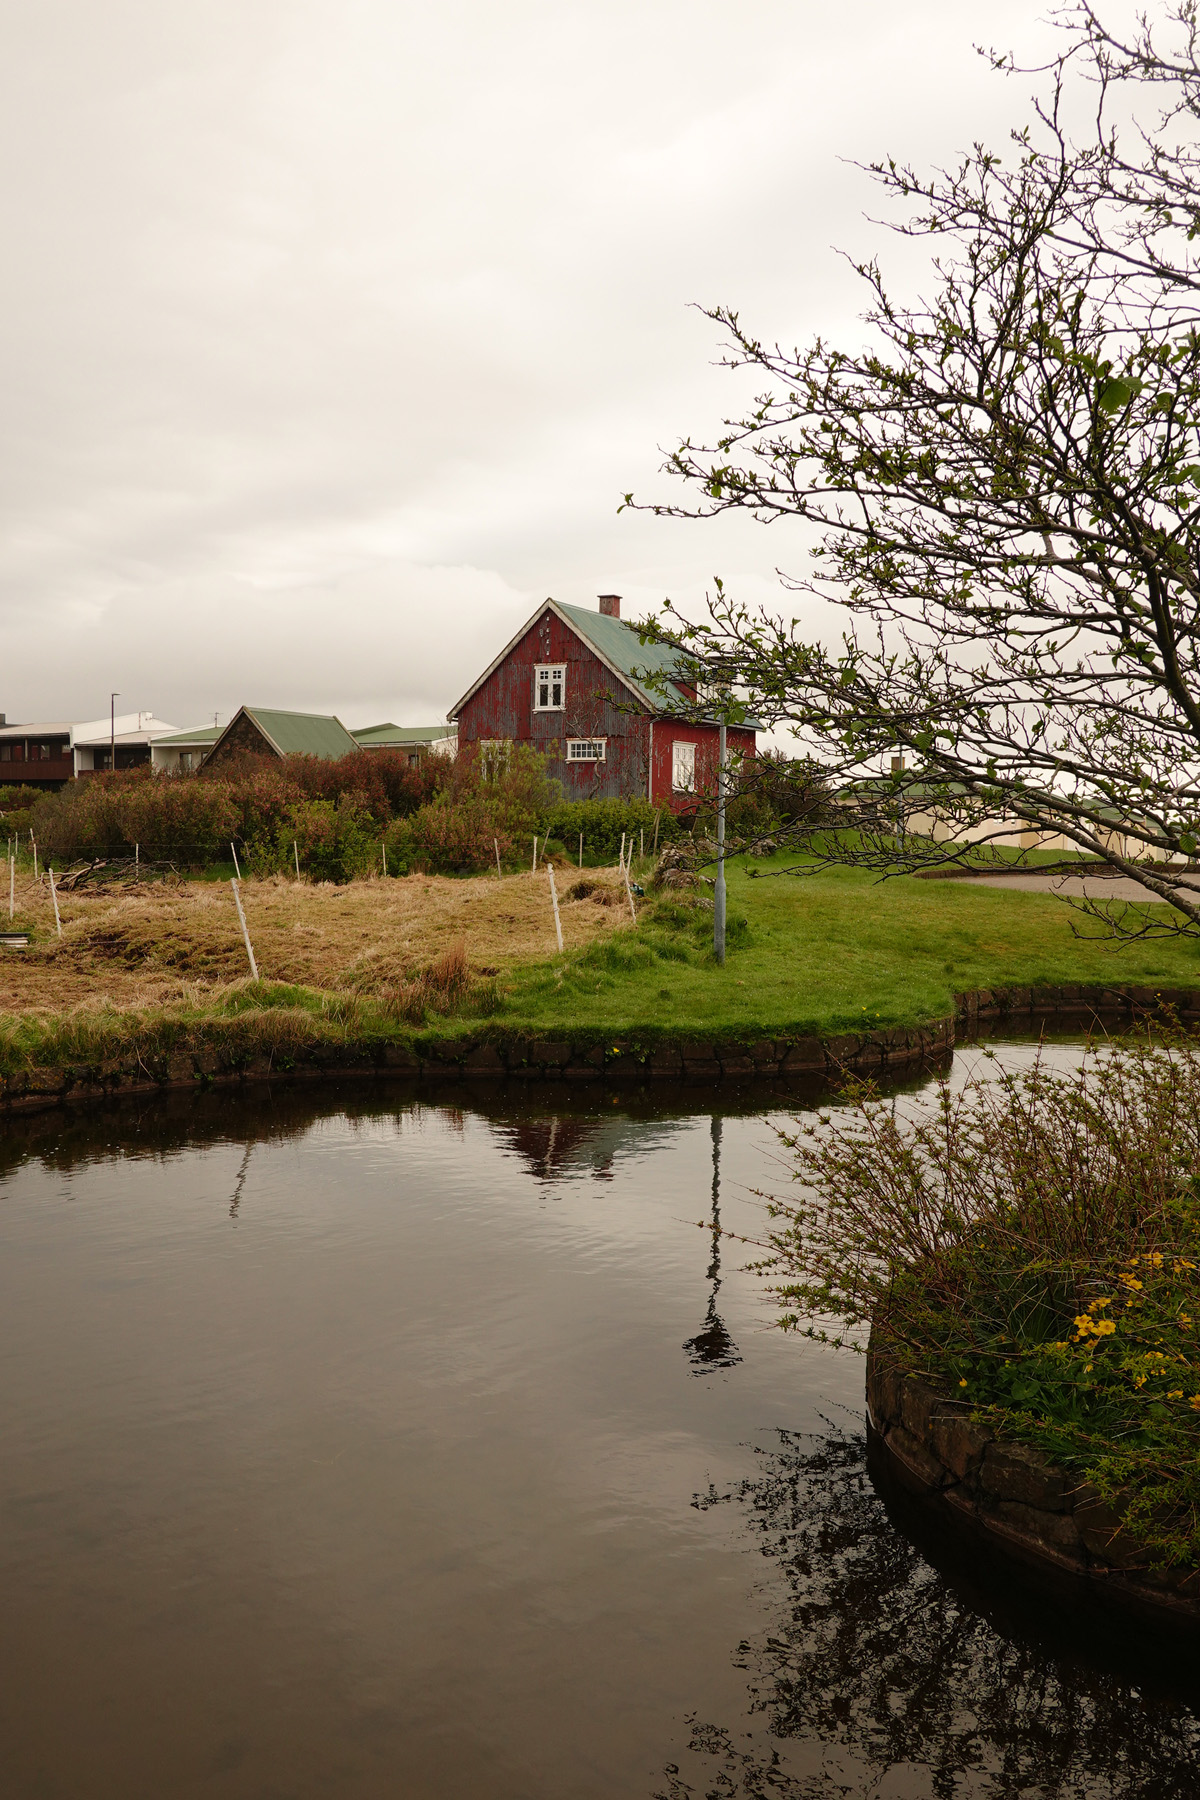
x=683 y=766
x=549 y=679
x=581 y=750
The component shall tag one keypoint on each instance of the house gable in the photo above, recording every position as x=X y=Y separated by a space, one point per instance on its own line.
x=264 y=731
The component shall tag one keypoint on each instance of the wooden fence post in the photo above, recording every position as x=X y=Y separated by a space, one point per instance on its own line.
x=295 y=853
x=554 y=900
x=54 y=897
x=496 y=848
x=534 y=870
x=581 y=849
x=239 y=872
x=245 y=933
x=629 y=892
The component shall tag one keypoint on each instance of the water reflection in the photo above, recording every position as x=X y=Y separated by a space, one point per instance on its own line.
x=346 y=1447
x=712 y=1347
x=883 y=1674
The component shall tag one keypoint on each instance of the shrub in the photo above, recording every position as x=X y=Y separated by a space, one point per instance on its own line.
x=384 y=782
x=186 y=820
x=602 y=823
x=1030 y=1245
x=334 y=840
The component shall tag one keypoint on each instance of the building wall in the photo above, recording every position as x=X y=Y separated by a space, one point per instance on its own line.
x=638 y=760
x=707 y=740
x=242 y=739
x=503 y=708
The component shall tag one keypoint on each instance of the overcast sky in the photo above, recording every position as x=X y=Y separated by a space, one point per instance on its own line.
x=334 y=330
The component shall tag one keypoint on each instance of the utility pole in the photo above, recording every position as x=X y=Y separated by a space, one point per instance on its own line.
x=719 y=895
x=112 y=730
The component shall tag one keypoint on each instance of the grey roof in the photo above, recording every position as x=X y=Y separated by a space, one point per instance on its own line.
x=202 y=734
x=38 y=728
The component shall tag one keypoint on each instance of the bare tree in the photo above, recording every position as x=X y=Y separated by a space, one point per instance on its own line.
x=1005 y=491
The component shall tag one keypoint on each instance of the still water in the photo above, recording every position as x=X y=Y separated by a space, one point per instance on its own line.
x=361 y=1443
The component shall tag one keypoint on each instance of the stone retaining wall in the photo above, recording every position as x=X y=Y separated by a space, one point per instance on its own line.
x=1015 y=1498
x=492 y=1054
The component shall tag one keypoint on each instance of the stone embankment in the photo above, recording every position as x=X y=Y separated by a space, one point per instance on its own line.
x=204 y=1056
x=1015 y=1499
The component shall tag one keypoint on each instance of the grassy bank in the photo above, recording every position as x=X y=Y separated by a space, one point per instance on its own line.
x=831 y=953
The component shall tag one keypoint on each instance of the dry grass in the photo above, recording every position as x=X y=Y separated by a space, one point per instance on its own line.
x=170 y=942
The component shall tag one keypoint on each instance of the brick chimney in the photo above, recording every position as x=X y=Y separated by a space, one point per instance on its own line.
x=610 y=605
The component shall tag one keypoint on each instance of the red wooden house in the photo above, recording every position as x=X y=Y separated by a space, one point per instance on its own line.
x=571 y=684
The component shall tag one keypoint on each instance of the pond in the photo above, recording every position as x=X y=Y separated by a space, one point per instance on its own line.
x=365 y=1442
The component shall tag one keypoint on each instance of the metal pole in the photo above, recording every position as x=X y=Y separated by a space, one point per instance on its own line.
x=719 y=895
x=54 y=897
x=235 y=864
x=245 y=933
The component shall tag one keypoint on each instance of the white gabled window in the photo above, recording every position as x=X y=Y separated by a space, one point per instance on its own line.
x=683 y=768
x=586 y=749
x=549 y=687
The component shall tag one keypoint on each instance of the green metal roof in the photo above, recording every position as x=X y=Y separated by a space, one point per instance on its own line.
x=303 y=734
x=618 y=642
x=203 y=734
x=377 y=736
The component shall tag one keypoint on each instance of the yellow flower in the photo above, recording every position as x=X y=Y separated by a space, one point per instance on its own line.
x=1104 y=1328
x=963 y=1382
x=1175 y=1394
x=1139 y=1381
x=1097 y=1304
x=1087 y=1368
x=1156 y=1259
x=1131 y=1281
x=1083 y=1324
x=1195 y=1402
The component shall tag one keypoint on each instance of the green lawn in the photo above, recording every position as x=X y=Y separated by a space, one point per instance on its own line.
x=831 y=952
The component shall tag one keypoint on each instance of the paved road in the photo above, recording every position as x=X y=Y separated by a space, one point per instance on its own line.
x=1091 y=887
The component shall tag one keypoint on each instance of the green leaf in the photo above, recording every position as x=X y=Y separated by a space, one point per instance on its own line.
x=1117 y=392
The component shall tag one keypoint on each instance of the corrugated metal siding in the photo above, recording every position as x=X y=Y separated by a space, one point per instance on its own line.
x=707 y=739
x=503 y=708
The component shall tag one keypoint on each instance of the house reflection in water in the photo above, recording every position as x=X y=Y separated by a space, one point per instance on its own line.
x=556 y=1147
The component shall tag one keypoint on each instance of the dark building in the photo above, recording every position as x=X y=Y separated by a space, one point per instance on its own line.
x=265 y=731
x=570 y=684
